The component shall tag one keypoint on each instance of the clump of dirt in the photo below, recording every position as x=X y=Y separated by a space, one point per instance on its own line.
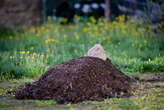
x=80 y=79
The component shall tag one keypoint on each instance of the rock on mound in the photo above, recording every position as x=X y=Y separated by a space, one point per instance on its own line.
x=84 y=78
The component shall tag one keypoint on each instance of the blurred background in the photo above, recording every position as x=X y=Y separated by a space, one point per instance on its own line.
x=23 y=13
x=38 y=34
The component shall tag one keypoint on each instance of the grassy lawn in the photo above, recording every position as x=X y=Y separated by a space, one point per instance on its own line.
x=132 y=47
x=149 y=96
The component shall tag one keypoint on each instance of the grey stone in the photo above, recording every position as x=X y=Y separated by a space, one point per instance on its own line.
x=97 y=51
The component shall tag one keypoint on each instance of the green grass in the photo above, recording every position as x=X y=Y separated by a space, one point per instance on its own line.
x=45 y=103
x=143 y=99
x=131 y=47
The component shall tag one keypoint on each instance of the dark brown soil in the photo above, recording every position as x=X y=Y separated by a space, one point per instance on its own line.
x=81 y=79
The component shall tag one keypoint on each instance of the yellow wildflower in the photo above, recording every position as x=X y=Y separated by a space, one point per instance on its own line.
x=32 y=48
x=101 y=23
x=64 y=20
x=27 y=52
x=143 y=29
x=46 y=41
x=89 y=24
x=42 y=55
x=104 y=38
x=115 y=23
x=53 y=40
x=22 y=52
x=32 y=30
x=77 y=17
x=145 y=41
x=158 y=30
x=77 y=37
x=119 y=43
x=75 y=50
x=93 y=20
x=95 y=28
x=47 y=56
x=43 y=28
x=85 y=29
x=10 y=37
x=65 y=36
x=11 y=57
x=131 y=21
x=34 y=54
x=21 y=57
x=121 y=18
x=133 y=44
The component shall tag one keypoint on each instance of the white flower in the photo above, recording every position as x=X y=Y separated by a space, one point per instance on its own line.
x=103 y=5
x=77 y=5
x=95 y=5
x=86 y=8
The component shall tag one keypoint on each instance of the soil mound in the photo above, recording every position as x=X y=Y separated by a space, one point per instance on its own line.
x=81 y=79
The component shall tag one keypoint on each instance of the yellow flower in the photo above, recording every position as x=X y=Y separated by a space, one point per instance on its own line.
x=89 y=24
x=121 y=18
x=32 y=30
x=21 y=57
x=42 y=55
x=64 y=20
x=43 y=28
x=115 y=23
x=136 y=33
x=71 y=26
x=133 y=44
x=77 y=37
x=77 y=17
x=50 y=40
x=10 y=37
x=32 y=48
x=104 y=38
x=101 y=23
x=140 y=46
x=93 y=20
x=46 y=41
x=158 y=30
x=47 y=56
x=145 y=41
x=11 y=57
x=85 y=29
x=53 y=40
x=22 y=52
x=95 y=28
x=34 y=53
x=65 y=36
x=118 y=43
x=143 y=29
x=131 y=21
x=27 y=52
x=75 y=50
